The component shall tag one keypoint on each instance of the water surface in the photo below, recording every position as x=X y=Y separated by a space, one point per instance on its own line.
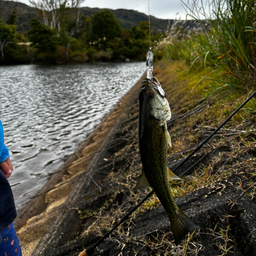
x=47 y=111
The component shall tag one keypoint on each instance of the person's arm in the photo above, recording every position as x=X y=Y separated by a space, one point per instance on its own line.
x=5 y=163
x=1 y=138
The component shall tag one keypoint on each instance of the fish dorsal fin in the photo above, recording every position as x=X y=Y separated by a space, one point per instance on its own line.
x=171 y=175
x=143 y=182
x=169 y=141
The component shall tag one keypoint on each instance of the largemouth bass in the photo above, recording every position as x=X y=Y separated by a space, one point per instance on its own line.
x=153 y=144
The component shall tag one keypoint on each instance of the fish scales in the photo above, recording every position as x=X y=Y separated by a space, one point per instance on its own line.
x=154 y=160
x=153 y=143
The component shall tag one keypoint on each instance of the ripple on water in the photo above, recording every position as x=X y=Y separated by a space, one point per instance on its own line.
x=47 y=111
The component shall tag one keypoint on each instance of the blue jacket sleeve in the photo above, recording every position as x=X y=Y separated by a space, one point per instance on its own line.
x=4 y=152
x=7 y=205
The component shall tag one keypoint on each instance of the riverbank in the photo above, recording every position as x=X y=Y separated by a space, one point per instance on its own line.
x=94 y=188
x=50 y=111
x=40 y=211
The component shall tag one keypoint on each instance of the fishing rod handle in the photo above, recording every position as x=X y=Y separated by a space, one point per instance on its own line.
x=83 y=253
x=87 y=252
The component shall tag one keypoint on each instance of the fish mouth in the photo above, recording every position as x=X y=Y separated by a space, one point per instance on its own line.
x=153 y=85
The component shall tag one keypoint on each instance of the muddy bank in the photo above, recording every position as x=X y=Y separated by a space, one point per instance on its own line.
x=94 y=189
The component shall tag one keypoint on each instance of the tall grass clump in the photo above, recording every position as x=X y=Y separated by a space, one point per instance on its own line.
x=178 y=43
x=227 y=40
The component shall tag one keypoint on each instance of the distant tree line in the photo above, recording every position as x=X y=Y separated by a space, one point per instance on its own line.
x=62 y=34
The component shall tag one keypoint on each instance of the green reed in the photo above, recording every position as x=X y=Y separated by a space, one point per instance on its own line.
x=225 y=41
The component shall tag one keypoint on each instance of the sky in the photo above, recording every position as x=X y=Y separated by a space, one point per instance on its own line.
x=163 y=9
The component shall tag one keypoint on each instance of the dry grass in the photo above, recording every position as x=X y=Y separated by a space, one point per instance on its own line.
x=187 y=130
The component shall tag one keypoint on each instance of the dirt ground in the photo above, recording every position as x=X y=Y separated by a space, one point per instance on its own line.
x=94 y=189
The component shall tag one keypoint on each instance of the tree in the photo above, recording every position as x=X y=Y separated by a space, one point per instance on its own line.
x=143 y=25
x=42 y=37
x=7 y=36
x=105 y=27
x=52 y=10
x=88 y=30
x=137 y=33
x=61 y=15
x=12 y=17
x=71 y=23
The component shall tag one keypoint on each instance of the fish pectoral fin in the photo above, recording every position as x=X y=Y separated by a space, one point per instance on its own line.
x=169 y=139
x=181 y=225
x=171 y=175
x=143 y=182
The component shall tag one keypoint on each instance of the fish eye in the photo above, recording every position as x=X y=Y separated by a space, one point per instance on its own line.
x=151 y=91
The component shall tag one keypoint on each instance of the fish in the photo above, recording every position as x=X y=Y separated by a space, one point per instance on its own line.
x=154 y=140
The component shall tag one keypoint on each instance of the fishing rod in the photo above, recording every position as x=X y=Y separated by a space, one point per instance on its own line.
x=214 y=132
x=90 y=250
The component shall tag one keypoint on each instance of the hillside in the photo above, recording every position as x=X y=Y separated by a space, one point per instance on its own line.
x=126 y=18
x=24 y=14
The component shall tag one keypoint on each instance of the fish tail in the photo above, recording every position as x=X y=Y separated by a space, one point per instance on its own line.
x=181 y=225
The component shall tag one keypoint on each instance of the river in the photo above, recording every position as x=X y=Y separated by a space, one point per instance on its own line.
x=47 y=111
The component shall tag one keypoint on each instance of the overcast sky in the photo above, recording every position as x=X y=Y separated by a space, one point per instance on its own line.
x=163 y=9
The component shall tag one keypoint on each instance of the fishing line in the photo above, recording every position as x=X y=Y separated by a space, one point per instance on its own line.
x=149 y=30
x=90 y=250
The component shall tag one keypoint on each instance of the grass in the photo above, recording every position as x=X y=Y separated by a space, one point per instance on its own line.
x=216 y=71
x=222 y=239
x=215 y=174
x=180 y=87
x=224 y=43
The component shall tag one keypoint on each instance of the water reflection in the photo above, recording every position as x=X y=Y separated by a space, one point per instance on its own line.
x=47 y=111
